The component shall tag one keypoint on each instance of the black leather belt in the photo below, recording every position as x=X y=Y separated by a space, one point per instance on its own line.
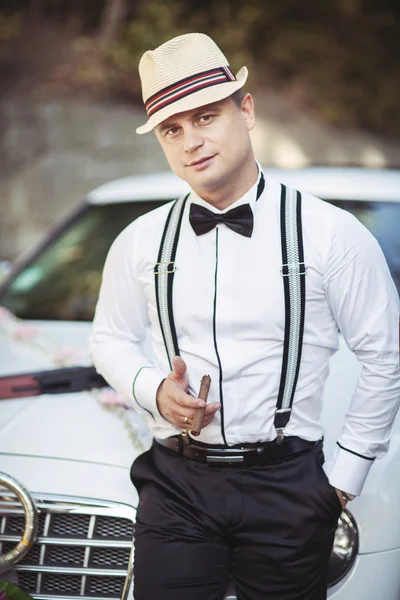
x=241 y=455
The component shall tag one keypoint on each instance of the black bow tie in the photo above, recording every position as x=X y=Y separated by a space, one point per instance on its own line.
x=239 y=219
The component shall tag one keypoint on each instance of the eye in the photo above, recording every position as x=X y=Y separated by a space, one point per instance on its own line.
x=205 y=118
x=172 y=132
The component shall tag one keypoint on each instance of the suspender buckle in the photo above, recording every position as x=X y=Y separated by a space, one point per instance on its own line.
x=164 y=267
x=293 y=268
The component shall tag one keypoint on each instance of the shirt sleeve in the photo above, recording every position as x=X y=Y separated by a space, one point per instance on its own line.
x=119 y=328
x=365 y=305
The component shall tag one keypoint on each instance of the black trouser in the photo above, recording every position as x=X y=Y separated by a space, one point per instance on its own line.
x=270 y=528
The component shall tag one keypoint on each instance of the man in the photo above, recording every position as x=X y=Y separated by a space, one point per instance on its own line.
x=223 y=284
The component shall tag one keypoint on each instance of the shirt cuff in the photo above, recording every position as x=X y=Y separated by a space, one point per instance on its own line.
x=347 y=471
x=144 y=389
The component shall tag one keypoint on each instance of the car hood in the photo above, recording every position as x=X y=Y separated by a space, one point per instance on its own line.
x=67 y=478
x=58 y=426
x=77 y=426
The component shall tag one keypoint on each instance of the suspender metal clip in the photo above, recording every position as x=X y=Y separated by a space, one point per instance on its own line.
x=183 y=440
x=279 y=435
x=282 y=417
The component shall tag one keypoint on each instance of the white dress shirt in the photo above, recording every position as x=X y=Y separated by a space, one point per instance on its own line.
x=234 y=283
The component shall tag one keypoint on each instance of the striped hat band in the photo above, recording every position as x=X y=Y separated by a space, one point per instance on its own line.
x=183 y=74
x=188 y=86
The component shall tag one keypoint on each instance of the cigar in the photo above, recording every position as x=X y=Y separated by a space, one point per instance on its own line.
x=199 y=414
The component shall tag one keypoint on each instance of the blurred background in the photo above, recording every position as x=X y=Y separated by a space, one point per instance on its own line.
x=324 y=73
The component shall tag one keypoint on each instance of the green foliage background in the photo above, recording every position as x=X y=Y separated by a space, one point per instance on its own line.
x=337 y=58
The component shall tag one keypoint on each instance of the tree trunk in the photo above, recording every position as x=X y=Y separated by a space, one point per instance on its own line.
x=111 y=21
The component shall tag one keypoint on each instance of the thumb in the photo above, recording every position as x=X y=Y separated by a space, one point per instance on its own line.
x=179 y=368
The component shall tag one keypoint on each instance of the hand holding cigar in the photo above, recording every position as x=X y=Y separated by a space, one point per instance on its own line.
x=179 y=407
x=199 y=414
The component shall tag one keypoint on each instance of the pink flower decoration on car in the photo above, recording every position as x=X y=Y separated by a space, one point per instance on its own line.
x=5 y=315
x=25 y=332
x=112 y=398
x=67 y=355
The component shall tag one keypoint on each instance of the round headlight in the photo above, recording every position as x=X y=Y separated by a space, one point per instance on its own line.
x=345 y=548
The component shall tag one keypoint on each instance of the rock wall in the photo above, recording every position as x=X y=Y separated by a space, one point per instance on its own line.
x=52 y=154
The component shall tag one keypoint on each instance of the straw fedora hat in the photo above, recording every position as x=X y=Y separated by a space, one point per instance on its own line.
x=186 y=72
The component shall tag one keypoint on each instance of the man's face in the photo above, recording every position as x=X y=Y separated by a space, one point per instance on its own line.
x=207 y=146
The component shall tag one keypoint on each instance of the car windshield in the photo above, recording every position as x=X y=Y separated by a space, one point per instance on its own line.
x=62 y=281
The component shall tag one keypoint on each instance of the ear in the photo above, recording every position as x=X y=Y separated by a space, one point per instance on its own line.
x=247 y=110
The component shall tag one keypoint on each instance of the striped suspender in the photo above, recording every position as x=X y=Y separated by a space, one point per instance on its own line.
x=164 y=271
x=293 y=270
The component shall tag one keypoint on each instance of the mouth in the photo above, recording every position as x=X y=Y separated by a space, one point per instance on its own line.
x=201 y=162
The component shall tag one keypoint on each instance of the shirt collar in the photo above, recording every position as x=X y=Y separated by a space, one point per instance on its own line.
x=249 y=197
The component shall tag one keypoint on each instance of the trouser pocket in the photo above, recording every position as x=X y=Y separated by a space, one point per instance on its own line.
x=327 y=488
x=141 y=470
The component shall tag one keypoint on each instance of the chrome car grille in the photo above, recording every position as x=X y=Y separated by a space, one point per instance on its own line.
x=84 y=548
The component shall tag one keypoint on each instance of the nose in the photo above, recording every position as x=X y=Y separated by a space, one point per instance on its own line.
x=192 y=139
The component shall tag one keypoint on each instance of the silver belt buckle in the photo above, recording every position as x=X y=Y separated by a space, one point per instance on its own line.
x=224 y=459
x=235 y=456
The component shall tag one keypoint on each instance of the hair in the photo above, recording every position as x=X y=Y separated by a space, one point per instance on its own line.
x=237 y=97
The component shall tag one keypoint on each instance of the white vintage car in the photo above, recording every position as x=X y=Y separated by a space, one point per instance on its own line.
x=72 y=451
